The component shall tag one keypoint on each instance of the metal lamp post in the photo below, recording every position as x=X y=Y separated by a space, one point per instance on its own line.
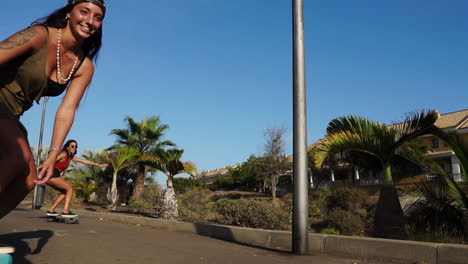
x=300 y=197
x=39 y=190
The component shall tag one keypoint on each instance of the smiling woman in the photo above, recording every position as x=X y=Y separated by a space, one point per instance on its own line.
x=53 y=55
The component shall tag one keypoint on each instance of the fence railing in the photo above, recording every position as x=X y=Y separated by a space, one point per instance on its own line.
x=458 y=177
x=366 y=182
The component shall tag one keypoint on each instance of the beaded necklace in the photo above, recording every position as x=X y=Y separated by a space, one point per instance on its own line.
x=59 y=74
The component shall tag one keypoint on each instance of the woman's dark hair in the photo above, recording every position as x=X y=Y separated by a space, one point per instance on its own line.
x=65 y=146
x=57 y=19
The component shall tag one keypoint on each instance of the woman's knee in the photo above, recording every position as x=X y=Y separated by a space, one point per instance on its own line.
x=22 y=170
x=16 y=160
x=15 y=148
x=69 y=189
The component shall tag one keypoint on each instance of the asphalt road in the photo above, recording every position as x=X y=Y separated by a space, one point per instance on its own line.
x=93 y=241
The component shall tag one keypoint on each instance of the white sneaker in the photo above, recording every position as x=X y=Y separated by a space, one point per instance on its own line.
x=69 y=215
x=49 y=213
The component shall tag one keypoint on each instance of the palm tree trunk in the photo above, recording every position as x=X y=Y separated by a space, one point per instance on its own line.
x=112 y=195
x=170 y=205
x=389 y=220
x=139 y=184
x=388 y=174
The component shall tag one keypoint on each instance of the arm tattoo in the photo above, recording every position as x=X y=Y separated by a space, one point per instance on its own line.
x=19 y=38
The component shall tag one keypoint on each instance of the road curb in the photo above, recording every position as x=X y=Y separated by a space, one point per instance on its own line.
x=358 y=247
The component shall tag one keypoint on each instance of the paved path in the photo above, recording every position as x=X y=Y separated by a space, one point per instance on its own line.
x=95 y=241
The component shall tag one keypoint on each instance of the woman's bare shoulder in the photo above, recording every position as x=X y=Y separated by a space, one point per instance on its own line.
x=86 y=68
x=29 y=39
x=35 y=35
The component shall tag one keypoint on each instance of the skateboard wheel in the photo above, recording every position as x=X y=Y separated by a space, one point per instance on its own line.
x=51 y=218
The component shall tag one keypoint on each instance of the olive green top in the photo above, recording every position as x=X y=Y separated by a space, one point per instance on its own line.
x=22 y=81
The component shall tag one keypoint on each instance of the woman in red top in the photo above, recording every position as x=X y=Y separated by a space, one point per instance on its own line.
x=66 y=155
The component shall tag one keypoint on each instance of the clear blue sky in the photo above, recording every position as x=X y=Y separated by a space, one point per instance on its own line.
x=218 y=72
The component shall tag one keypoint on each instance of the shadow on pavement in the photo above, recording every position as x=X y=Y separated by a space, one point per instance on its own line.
x=225 y=234
x=22 y=248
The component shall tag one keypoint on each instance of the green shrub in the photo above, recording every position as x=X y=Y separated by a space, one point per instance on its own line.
x=140 y=205
x=83 y=188
x=329 y=231
x=254 y=213
x=434 y=237
x=349 y=199
x=182 y=185
x=196 y=204
x=362 y=213
x=436 y=217
x=348 y=223
x=151 y=198
x=226 y=182
x=318 y=202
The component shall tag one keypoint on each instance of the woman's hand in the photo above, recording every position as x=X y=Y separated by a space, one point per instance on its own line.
x=47 y=170
x=103 y=165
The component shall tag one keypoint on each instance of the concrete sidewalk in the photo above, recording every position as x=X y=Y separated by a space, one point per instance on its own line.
x=358 y=247
x=100 y=241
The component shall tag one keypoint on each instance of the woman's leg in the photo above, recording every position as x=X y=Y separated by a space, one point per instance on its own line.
x=61 y=196
x=17 y=169
x=57 y=202
x=61 y=184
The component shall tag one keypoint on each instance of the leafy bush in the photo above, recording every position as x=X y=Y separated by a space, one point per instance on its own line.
x=182 y=185
x=224 y=183
x=150 y=198
x=196 y=204
x=254 y=213
x=318 y=202
x=242 y=177
x=436 y=217
x=329 y=231
x=140 y=205
x=285 y=180
x=346 y=222
x=349 y=199
x=84 y=188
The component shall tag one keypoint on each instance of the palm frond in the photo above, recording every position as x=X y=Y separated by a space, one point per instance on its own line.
x=353 y=123
x=122 y=157
x=152 y=161
x=415 y=124
x=190 y=168
x=457 y=143
x=455 y=191
x=347 y=141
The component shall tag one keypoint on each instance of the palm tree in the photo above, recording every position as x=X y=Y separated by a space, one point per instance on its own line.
x=171 y=165
x=384 y=143
x=457 y=143
x=460 y=146
x=332 y=162
x=146 y=138
x=119 y=158
x=82 y=172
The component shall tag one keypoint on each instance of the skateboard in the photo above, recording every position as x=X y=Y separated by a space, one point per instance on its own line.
x=61 y=219
x=5 y=257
